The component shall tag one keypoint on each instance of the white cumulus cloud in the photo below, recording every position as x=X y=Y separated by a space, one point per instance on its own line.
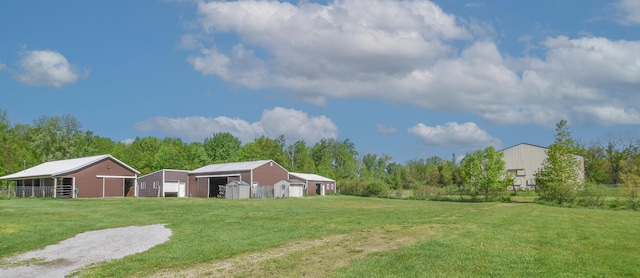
x=297 y=125
x=629 y=11
x=46 y=68
x=466 y=136
x=609 y=115
x=198 y=128
x=316 y=48
x=293 y=124
x=241 y=67
x=412 y=52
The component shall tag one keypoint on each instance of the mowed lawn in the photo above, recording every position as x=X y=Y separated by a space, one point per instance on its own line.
x=365 y=237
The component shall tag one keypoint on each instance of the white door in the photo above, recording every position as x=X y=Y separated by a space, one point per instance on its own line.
x=182 y=189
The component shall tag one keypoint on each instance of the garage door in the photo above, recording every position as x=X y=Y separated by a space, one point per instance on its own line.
x=174 y=188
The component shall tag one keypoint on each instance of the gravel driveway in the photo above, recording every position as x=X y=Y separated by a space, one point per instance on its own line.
x=84 y=249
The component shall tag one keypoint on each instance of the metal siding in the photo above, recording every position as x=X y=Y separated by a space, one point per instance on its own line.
x=113 y=187
x=175 y=175
x=202 y=189
x=148 y=191
x=197 y=187
x=266 y=174
x=531 y=158
x=192 y=186
x=89 y=185
x=269 y=174
x=170 y=175
x=526 y=157
x=311 y=187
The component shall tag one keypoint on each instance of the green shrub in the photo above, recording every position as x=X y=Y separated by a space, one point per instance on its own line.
x=558 y=193
x=504 y=196
x=363 y=187
x=592 y=195
x=375 y=188
x=350 y=186
x=427 y=192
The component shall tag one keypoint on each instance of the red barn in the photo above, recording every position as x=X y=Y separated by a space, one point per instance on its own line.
x=205 y=181
x=98 y=176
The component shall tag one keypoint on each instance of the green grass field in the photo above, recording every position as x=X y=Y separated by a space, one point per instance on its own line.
x=363 y=237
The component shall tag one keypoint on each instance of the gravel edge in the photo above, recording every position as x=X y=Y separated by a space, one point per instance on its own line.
x=69 y=255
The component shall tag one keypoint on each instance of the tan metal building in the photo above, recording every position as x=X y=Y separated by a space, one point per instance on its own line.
x=524 y=160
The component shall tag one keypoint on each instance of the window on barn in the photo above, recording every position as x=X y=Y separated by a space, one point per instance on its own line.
x=156 y=184
x=143 y=185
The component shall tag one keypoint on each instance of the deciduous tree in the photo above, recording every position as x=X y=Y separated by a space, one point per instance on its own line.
x=263 y=148
x=558 y=179
x=630 y=177
x=335 y=159
x=59 y=137
x=141 y=154
x=170 y=155
x=483 y=172
x=223 y=147
x=196 y=156
x=300 y=158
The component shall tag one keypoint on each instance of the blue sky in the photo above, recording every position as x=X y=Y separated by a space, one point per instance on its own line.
x=409 y=79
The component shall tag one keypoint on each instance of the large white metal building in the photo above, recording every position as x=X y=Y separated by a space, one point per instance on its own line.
x=524 y=160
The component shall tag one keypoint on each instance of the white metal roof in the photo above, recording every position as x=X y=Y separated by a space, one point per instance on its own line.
x=310 y=177
x=60 y=167
x=291 y=181
x=231 y=167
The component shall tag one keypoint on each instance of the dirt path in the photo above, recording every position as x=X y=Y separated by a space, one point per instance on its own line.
x=308 y=258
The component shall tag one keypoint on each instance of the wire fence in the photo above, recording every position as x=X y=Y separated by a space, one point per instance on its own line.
x=32 y=191
x=262 y=192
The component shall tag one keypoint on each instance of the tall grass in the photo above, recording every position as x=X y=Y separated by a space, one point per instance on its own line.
x=483 y=239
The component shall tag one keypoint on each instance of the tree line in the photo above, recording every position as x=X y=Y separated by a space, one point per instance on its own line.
x=480 y=173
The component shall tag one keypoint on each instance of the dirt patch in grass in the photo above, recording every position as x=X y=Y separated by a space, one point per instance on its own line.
x=10 y=229
x=309 y=258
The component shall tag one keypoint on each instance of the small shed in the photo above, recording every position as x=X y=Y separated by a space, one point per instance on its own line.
x=315 y=184
x=99 y=176
x=235 y=190
x=163 y=183
x=288 y=188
